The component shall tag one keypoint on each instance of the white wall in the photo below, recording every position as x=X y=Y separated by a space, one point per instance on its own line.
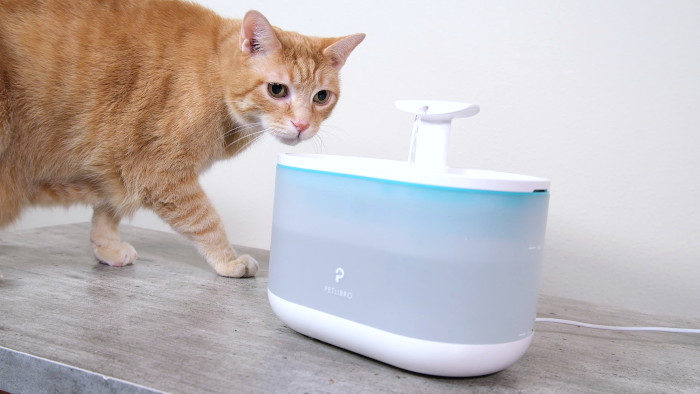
x=599 y=96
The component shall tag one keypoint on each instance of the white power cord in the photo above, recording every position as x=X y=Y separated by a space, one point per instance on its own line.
x=618 y=328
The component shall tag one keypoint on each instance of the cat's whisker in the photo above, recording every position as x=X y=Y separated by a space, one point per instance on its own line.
x=246 y=133
x=318 y=143
x=328 y=133
x=242 y=128
x=334 y=131
x=257 y=137
x=253 y=136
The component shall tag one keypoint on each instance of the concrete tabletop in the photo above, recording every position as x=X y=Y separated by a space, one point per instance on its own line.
x=168 y=323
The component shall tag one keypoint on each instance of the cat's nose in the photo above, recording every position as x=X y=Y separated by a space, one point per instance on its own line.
x=300 y=125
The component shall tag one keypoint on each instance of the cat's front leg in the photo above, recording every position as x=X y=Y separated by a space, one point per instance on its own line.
x=189 y=212
x=104 y=235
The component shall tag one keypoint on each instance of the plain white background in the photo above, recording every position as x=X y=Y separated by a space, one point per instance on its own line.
x=600 y=97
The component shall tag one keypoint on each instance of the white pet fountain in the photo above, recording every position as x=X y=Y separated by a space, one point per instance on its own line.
x=425 y=267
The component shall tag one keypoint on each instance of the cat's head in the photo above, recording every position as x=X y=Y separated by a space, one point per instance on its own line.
x=288 y=83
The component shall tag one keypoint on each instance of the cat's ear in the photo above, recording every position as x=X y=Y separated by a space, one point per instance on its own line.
x=339 y=50
x=257 y=35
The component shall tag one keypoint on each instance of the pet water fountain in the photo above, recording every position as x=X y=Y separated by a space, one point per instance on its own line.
x=425 y=267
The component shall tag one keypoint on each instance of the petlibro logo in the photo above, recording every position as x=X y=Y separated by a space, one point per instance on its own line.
x=339 y=274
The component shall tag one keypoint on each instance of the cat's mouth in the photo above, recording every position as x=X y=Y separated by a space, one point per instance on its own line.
x=292 y=137
x=289 y=140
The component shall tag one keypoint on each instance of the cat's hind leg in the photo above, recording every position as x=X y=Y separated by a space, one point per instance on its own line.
x=5 y=135
x=5 y=129
x=104 y=235
x=13 y=196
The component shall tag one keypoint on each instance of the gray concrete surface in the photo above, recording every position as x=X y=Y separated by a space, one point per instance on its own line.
x=168 y=323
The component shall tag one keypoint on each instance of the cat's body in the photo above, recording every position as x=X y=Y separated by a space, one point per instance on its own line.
x=121 y=104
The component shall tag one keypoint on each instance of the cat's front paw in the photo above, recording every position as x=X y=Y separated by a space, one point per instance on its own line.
x=115 y=254
x=243 y=266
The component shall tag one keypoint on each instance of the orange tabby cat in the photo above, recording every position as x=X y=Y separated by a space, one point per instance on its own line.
x=121 y=104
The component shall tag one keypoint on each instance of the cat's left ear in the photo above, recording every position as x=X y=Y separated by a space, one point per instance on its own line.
x=257 y=35
x=339 y=50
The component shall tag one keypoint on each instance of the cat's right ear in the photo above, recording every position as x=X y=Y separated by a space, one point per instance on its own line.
x=257 y=35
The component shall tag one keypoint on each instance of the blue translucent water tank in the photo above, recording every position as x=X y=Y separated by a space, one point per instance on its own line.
x=434 y=271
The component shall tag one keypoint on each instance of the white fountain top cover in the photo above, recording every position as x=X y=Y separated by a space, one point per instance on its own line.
x=427 y=159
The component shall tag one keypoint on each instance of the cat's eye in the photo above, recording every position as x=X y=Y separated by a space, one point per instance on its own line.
x=277 y=90
x=322 y=96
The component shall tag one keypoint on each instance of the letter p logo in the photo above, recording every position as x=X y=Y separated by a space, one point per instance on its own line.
x=339 y=274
